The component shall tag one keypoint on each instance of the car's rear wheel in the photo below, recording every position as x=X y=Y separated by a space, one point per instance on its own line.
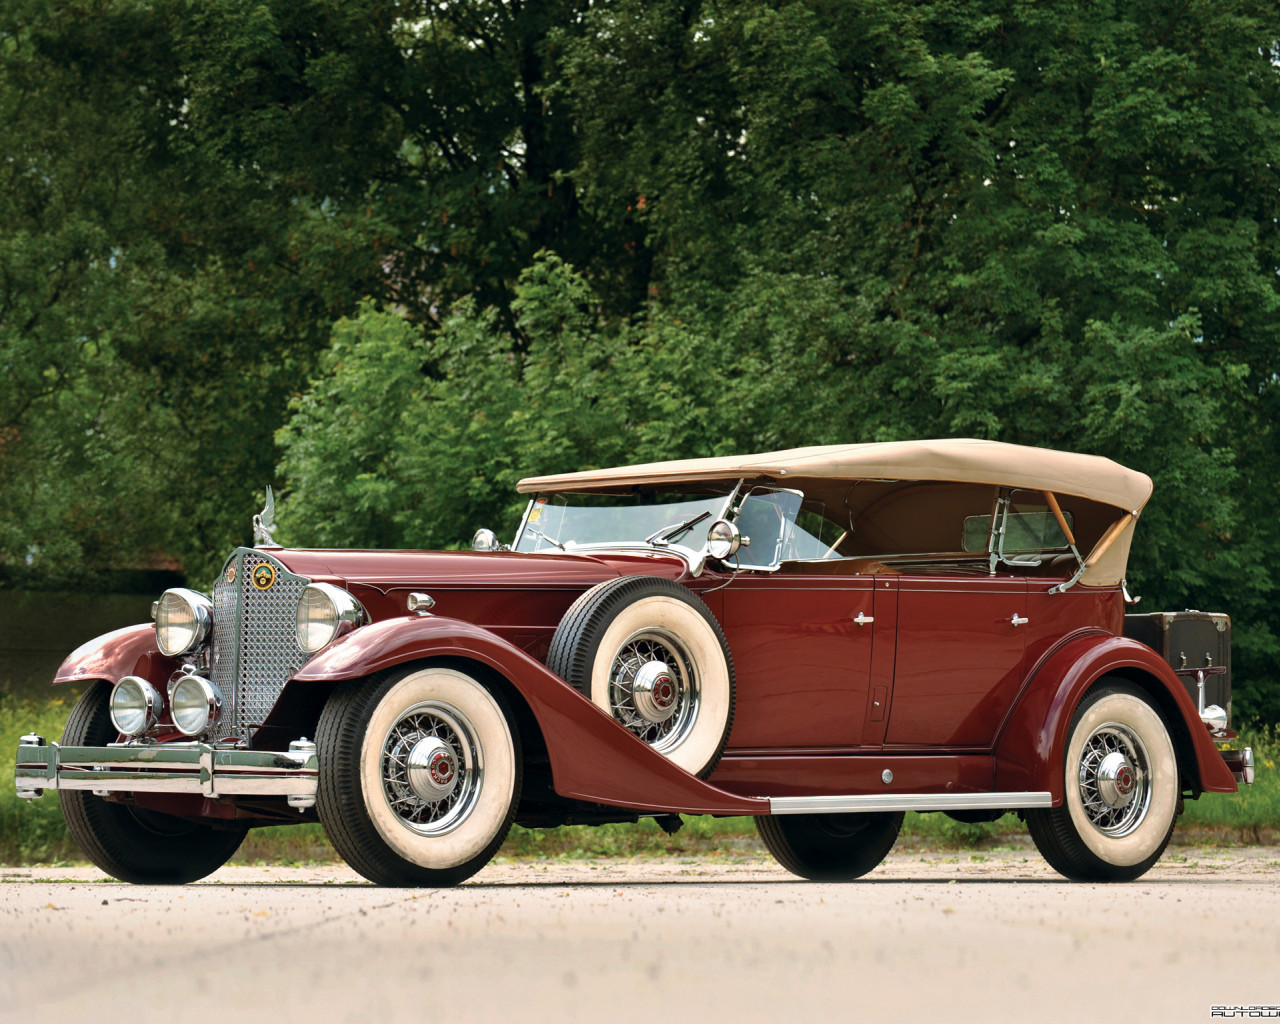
x=1120 y=789
x=420 y=775
x=830 y=847
x=650 y=653
x=127 y=842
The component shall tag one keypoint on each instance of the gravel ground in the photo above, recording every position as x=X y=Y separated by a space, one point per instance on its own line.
x=992 y=936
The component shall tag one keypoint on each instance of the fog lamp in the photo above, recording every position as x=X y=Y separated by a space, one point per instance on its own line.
x=135 y=706
x=194 y=704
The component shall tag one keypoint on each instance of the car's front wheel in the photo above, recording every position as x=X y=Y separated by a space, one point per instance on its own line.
x=1120 y=790
x=127 y=842
x=419 y=775
x=830 y=847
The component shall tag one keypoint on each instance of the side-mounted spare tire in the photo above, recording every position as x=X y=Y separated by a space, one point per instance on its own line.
x=650 y=653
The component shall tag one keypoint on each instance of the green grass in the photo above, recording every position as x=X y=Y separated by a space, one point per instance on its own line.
x=32 y=831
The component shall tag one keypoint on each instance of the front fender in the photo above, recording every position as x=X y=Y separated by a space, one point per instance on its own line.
x=1031 y=747
x=124 y=652
x=592 y=757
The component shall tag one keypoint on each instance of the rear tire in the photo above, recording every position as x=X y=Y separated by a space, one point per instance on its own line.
x=1120 y=790
x=129 y=843
x=830 y=847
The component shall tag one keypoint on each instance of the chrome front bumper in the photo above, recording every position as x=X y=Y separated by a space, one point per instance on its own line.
x=169 y=768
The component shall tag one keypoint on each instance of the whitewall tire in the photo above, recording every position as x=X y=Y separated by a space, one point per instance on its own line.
x=420 y=775
x=649 y=653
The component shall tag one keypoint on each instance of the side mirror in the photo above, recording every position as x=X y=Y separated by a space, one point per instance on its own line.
x=723 y=540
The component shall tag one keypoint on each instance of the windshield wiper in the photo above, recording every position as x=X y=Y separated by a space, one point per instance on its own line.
x=663 y=537
x=539 y=533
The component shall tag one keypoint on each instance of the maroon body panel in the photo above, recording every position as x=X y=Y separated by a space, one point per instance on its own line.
x=123 y=652
x=490 y=589
x=959 y=661
x=1031 y=748
x=801 y=662
x=593 y=758
x=827 y=774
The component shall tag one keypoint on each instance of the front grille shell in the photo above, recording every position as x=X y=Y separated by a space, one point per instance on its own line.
x=254 y=650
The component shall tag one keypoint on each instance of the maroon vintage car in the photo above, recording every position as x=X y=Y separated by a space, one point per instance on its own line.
x=822 y=638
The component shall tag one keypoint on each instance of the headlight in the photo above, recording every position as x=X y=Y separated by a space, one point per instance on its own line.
x=183 y=618
x=194 y=704
x=326 y=612
x=135 y=706
x=723 y=539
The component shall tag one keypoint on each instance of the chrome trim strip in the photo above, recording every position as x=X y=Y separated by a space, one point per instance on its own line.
x=907 y=802
x=166 y=768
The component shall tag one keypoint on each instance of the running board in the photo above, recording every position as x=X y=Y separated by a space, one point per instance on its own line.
x=908 y=802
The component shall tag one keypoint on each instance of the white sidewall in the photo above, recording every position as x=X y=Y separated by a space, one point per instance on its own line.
x=702 y=743
x=496 y=752
x=1148 y=837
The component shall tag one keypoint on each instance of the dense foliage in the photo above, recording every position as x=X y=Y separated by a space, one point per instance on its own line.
x=439 y=246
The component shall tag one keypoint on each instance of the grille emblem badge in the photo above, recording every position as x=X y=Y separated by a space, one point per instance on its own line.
x=231 y=574
x=263 y=576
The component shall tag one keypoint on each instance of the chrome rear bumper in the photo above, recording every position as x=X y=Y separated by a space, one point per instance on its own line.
x=1241 y=764
x=169 y=768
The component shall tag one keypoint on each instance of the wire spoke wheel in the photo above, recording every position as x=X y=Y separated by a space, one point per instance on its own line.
x=1114 y=780
x=653 y=688
x=649 y=652
x=432 y=769
x=1120 y=789
x=420 y=774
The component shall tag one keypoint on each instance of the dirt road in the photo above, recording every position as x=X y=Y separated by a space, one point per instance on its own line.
x=926 y=937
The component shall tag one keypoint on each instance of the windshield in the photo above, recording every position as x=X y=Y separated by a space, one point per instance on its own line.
x=567 y=521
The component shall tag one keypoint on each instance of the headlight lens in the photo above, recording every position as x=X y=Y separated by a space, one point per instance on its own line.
x=183 y=618
x=326 y=612
x=135 y=706
x=723 y=539
x=194 y=703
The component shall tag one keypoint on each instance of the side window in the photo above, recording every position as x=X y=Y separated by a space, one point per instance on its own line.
x=1021 y=533
x=1027 y=530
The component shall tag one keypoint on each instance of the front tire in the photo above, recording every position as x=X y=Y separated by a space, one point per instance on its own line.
x=420 y=775
x=830 y=847
x=648 y=652
x=1120 y=790
x=129 y=843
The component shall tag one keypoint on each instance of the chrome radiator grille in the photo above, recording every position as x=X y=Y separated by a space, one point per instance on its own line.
x=255 y=644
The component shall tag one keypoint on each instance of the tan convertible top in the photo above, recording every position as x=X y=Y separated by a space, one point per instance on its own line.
x=964 y=460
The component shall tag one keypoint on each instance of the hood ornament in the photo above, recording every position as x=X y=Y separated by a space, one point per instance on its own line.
x=264 y=524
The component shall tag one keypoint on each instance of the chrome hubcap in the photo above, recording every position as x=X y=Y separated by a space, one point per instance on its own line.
x=653 y=688
x=432 y=768
x=1115 y=780
x=654 y=692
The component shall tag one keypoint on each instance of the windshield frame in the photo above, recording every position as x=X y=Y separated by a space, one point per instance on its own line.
x=695 y=557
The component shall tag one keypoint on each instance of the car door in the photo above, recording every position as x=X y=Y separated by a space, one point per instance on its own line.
x=801 y=643
x=959 y=664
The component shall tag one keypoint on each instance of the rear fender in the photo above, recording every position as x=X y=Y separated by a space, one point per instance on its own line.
x=592 y=757
x=1031 y=747
x=124 y=652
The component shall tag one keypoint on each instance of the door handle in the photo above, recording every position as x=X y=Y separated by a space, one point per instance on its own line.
x=863 y=619
x=1019 y=620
